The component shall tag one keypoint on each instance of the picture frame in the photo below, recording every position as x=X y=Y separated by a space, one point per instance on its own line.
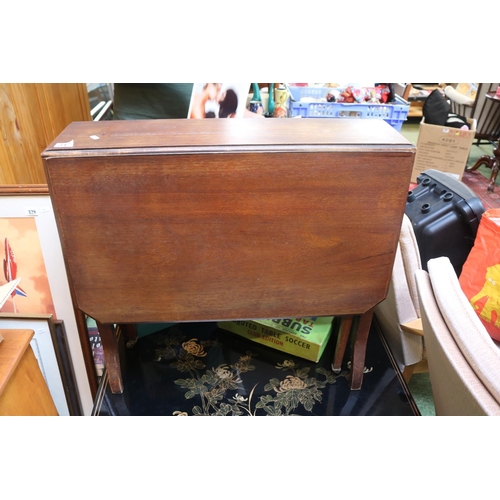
x=51 y=349
x=218 y=100
x=18 y=203
x=66 y=369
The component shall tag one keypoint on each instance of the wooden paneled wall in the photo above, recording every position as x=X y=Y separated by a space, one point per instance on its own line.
x=32 y=115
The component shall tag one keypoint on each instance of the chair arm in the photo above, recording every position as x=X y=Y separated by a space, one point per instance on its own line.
x=414 y=327
x=457 y=97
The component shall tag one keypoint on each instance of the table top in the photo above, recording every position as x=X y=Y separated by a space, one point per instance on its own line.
x=12 y=348
x=218 y=135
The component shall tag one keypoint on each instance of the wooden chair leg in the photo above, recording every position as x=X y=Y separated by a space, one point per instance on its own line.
x=408 y=372
x=483 y=160
x=359 y=349
x=111 y=357
x=342 y=340
x=492 y=162
x=495 y=164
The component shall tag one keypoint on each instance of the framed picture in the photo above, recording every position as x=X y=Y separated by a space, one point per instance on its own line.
x=32 y=252
x=51 y=350
x=66 y=369
x=218 y=100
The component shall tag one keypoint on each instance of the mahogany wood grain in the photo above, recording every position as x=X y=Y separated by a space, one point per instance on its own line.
x=123 y=137
x=110 y=348
x=359 y=349
x=196 y=220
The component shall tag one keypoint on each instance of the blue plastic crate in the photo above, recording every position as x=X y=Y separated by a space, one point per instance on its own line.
x=393 y=113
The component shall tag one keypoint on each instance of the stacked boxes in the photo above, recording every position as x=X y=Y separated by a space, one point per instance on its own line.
x=443 y=148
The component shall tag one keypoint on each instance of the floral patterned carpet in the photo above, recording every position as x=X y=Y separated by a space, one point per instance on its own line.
x=217 y=387
x=198 y=369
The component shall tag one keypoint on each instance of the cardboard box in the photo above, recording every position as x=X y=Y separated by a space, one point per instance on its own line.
x=443 y=148
x=302 y=337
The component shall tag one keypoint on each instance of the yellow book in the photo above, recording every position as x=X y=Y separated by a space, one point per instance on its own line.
x=302 y=337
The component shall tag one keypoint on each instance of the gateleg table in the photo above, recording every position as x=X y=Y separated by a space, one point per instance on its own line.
x=210 y=220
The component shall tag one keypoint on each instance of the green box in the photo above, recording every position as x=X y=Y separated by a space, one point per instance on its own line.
x=303 y=337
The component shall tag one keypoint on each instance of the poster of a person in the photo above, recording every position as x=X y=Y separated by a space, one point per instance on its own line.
x=218 y=100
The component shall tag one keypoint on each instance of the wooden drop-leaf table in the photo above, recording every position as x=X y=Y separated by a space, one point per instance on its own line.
x=208 y=220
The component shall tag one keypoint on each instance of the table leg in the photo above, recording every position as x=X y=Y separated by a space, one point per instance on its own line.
x=495 y=164
x=483 y=159
x=359 y=349
x=492 y=162
x=342 y=339
x=111 y=357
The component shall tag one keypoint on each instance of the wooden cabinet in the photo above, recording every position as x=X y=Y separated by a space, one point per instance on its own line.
x=31 y=116
x=23 y=390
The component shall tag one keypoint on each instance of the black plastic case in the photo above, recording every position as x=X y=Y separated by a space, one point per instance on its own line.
x=445 y=215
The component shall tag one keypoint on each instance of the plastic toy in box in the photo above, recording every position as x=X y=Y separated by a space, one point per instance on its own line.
x=325 y=102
